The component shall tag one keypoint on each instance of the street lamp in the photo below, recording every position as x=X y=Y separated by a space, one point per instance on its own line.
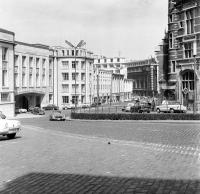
x=194 y=94
x=79 y=45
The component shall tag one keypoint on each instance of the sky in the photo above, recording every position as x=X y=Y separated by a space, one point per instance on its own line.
x=113 y=28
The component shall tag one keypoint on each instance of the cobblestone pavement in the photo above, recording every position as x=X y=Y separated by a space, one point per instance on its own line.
x=48 y=157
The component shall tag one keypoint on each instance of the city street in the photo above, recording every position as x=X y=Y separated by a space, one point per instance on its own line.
x=101 y=157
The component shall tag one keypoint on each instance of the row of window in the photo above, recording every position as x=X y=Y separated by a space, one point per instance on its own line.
x=65 y=99
x=65 y=87
x=106 y=60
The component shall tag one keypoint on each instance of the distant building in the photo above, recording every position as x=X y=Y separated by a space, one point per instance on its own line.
x=110 y=79
x=144 y=74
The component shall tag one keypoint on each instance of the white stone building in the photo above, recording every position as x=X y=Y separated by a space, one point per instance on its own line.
x=7 y=43
x=73 y=75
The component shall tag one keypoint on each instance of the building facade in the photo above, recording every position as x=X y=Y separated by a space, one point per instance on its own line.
x=110 y=80
x=144 y=74
x=7 y=44
x=73 y=76
x=184 y=51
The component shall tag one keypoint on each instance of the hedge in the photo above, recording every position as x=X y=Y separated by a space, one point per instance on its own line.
x=135 y=116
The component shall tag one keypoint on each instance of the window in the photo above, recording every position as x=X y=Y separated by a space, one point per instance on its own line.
x=173 y=66
x=23 y=80
x=73 y=64
x=16 y=80
x=43 y=80
x=5 y=97
x=43 y=63
x=82 y=64
x=188 y=80
x=118 y=59
x=67 y=52
x=30 y=62
x=50 y=80
x=188 y=49
x=72 y=52
x=98 y=60
x=63 y=52
x=74 y=76
x=30 y=80
x=37 y=80
x=65 y=99
x=37 y=62
x=4 y=78
x=50 y=98
x=65 y=64
x=111 y=60
x=4 y=53
x=170 y=40
x=171 y=18
x=65 y=88
x=74 y=99
x=65 y=76
x=23 y=61
x=189 y=15
x=82 y=76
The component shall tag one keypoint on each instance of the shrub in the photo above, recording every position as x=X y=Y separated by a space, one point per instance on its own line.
x=135 y=116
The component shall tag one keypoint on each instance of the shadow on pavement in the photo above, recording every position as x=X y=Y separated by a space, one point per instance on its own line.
x=76 y=183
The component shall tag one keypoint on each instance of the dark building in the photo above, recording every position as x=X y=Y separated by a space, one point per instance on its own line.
x=144 y=74
x=184 y=51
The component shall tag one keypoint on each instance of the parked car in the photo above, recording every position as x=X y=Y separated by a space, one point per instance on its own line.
x=171 y=107
x=38 y=111
x=94 y=104
x=9 y=128
x=68 y=106
x=20 y=110
x=51 y=107
x=2 y=116
x=128 y=107
x=57 y=116
x=141 y=107
x=85 y=105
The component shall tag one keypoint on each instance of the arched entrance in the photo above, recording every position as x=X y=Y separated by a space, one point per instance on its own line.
x=188 y=88
x=27 y=100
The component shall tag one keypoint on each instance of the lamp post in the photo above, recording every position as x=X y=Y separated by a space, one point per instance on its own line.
x=79 y=45
x=195 y=87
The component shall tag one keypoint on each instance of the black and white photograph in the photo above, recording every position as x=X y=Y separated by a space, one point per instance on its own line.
x=100 y=97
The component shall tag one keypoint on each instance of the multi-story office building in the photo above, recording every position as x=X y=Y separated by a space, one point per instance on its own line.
x=37 y=75
x=73 y=76
x=184 y=51
x=33 y=75
x=144 y=74
x=7 y=43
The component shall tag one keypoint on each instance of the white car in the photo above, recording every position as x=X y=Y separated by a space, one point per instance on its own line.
x=20 y=110
x=171 y=107
x=9 y=128
x=128 y=107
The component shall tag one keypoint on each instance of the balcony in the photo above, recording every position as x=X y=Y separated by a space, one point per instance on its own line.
x=4 y=65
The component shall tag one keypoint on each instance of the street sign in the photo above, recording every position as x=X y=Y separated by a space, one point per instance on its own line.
x=185 y=91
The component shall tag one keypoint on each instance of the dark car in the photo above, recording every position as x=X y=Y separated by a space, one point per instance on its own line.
x=95 y=104
x=57 y=116
x=2 y=116
x=51 y=107
x=37 y=111
x=141 y=107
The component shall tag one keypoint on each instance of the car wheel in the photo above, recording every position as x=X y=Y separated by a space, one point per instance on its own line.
x=171 y=110
x=11 y=136
x=158 y=110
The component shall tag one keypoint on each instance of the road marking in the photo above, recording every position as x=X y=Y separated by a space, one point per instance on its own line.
x=182 y=150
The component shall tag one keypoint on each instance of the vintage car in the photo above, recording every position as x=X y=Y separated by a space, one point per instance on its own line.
x=57 y=116
x=141 y=107
x=128 y=107
x=171 y=107
x=51 y=107
x=9 y=128
x=37 y=111
x=20 y=110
